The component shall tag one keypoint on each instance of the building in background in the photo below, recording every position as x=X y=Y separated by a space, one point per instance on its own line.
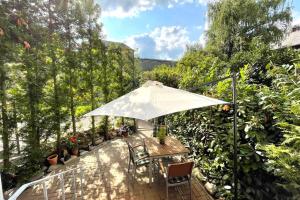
x=292 y=39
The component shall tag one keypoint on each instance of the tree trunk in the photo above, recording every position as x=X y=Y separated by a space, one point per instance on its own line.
x=121 y=76
x=105 y=94
x=32 y=104
x=93 y=118
x=91 y=81
x=32 y=118
x=93 y=104
x=72 y=105
x=16 y=128
x=56 y=102
x=5 y=130
x=106 y=136
x=36 y=103
x=70 y=66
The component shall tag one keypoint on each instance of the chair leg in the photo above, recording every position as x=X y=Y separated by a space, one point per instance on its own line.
x=134 y=171
x=190 y=189
x=167 y=191
x=129 y=165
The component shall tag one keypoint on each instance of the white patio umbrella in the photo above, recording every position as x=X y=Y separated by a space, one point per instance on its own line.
x=153 y=99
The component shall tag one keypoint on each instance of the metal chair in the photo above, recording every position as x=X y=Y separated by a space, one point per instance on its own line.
x=178 y=174
x=138 y=158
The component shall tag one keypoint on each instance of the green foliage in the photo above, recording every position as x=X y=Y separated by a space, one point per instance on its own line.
x=284 y=102
x=162 y=133
x=56 y=67
x=265 y=116
x=235 y=23
x=163 y=73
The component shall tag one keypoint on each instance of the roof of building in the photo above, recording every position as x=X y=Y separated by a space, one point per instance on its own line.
x=292 y=39
x=148 y=64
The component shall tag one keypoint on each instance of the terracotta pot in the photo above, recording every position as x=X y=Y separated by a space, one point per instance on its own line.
x=75 y=151
x=125 y=134
x=52 y=159
x=162 y=141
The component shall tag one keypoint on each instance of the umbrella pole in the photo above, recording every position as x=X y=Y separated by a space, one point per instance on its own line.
x=234 y=136
x=234 y=96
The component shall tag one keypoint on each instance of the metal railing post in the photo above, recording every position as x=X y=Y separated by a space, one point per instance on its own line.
x=62 y=185
x=42 y=181
x=1 y=190
x=81 y=177
x=74 y=184
x=45 y=191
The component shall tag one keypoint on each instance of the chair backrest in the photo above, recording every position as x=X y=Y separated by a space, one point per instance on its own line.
x=180 y=169
x=131 y=152
x=144 y=146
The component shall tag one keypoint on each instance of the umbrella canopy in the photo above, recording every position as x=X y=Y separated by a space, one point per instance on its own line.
x=153 y=99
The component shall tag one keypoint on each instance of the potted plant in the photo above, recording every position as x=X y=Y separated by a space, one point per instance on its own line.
x=72 y=144
x=162 y=133
x=52 y=159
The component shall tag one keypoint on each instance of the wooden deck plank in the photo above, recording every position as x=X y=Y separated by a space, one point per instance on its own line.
x=106 y=177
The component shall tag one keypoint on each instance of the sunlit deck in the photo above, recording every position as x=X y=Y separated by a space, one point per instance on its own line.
x=105 y=177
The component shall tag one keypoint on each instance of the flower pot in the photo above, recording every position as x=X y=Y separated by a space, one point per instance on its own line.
x=52 y=159
x=75 y=151
x=162 y=141
x=125 y=134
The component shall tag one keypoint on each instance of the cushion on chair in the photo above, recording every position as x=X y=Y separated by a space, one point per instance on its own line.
x=141 y=154
x=178 y=179
x=142 y=162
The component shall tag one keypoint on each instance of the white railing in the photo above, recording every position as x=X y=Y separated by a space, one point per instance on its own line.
x=1 y=191
x=43 y=181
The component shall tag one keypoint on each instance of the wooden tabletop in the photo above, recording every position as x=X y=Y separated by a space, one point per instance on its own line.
x=171 y=147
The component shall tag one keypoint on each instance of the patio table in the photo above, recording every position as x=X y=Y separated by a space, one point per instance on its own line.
x=172 y=147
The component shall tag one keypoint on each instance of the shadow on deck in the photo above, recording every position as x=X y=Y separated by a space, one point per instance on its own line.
x=106 y=177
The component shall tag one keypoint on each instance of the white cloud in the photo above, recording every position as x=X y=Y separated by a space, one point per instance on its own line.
x=296 y=17
x=205 y=2
x=203 y=39
x=206 y=23
x=104 y=32
x=131 y=8
x=166 y=42
x=169 y=37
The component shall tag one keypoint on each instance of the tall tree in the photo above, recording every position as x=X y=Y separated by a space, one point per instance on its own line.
x=5 y=122
x=4 y=50
x=56 y=105
x=90 y=30
x=31 y=34
x=68 y=20
x=105 y=82
x=235 y=23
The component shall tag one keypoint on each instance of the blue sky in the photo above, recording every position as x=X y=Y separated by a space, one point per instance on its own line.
x=159 y=29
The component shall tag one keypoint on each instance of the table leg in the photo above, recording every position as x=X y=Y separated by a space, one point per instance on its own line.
x=150 y=170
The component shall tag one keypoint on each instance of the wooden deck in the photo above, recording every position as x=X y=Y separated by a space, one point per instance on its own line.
x=106 y=177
